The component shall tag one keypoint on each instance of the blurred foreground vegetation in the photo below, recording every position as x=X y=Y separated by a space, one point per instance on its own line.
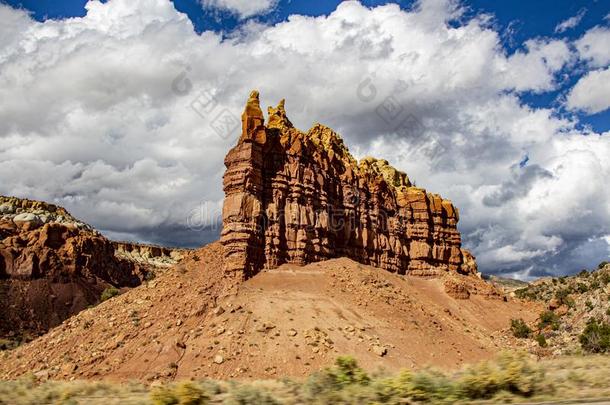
x=510 y=378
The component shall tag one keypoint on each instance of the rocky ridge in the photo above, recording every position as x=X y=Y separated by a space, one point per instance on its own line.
x=571 y=303
x=296 y=197
x=53 y=265
x=31 y=214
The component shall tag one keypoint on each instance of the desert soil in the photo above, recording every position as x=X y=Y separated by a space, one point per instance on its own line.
x=193 y=321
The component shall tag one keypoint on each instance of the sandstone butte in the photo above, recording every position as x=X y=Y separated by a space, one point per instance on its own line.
x=301 y=197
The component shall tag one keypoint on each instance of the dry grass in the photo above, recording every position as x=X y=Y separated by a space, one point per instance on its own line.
x=511 y=378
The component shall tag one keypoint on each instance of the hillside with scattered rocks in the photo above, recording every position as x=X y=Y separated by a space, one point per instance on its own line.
x=194 y=322
x=571 y=304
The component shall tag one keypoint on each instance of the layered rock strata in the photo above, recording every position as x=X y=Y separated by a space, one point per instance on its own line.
x=296 y=197
x=53 y=266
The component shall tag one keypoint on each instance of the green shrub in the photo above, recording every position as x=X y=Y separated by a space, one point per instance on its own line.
x=583 y=273
x=329 y=381
x=422 y=386
x=548 y=318
x=109 y=293
x=248 y=395
x=480 y=381
x=602 y=265
x=163 y=396
x=189 y=393
x=432 y=386
x=520 y=328
x=346 y=371
x=563 y=297
x=582 y=288
x=526 y=293
x=511 y=372
x=541 y=340
x=8 y=344
x=589 y=305
x=596 y=337
x=185 y=393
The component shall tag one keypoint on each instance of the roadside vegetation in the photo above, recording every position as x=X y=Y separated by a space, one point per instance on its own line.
x=511 y=377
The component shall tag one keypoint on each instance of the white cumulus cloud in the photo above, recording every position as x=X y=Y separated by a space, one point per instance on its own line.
x=593 y=46
x=591 y=93
x=124 y=116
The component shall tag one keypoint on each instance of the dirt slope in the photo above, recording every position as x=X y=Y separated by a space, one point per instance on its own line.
x=192 y=321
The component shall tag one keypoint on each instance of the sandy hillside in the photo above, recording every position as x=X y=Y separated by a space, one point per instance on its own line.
x=193 y=322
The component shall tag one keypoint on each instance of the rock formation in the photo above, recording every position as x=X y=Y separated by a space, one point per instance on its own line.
x=52 y=265
x=296 y=197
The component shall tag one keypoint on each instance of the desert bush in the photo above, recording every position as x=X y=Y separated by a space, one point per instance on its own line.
x=29 y=391
x=109 y=293
x=479 y=381
x=584 y=273
x=189 y=393
x=432 y=386
x=525 y=293
x=185 y=393
x=520 y=328
x=541 y=340
x=511 y=372
x=596 y=337
x=345 y=372
x=328 y=382
x=582 y=288
x=9 y=344
x=602 y=265
x=163 y=395
x=563 y=297
x=548 y=319
x=249 y=394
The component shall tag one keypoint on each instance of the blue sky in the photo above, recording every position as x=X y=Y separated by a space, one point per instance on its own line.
x=511 y=118
x=516 y=20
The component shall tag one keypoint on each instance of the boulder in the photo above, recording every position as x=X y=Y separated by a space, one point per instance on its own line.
x=27 y=220
x=6 y=209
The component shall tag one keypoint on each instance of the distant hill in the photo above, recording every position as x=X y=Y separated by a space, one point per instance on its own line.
x=572 y=304
x=505 y=284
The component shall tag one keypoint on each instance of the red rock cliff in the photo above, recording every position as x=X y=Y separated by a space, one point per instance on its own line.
x=295 y=197
x=53 y=266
